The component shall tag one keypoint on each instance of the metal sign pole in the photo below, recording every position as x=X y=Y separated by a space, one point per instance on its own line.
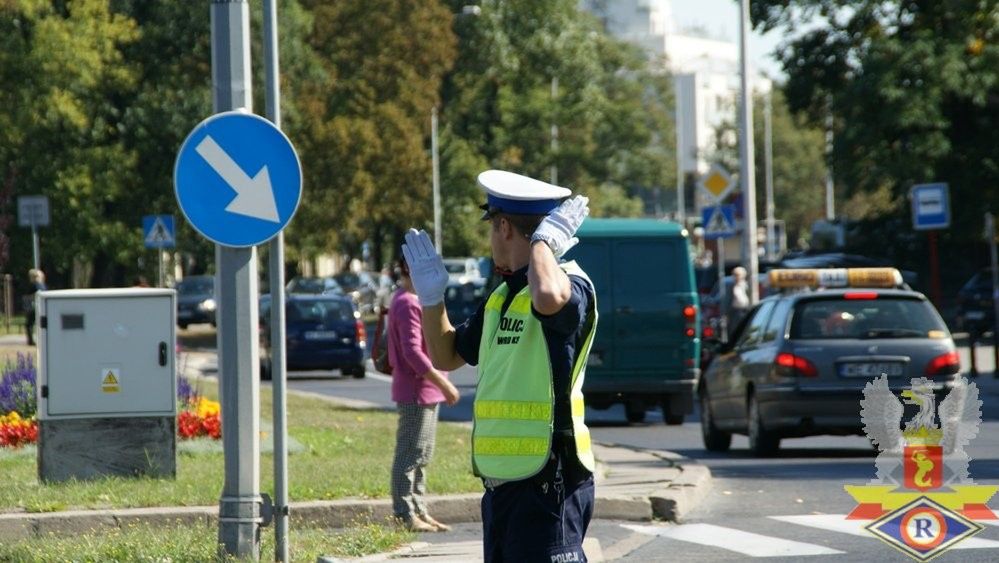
x=722 y=306
x=276 y=275
x=236 y=287
x=35 y=249
x=990 y=234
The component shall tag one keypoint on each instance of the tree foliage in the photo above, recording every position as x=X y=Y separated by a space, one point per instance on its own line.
x=914 y=90
x=100 y=94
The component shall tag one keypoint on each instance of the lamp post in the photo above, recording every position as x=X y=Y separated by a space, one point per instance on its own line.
x=747 y=169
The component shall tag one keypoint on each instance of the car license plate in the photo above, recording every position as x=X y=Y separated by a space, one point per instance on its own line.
x=184 y=314
x=975 y=315
x=320 y=335
x=870 y=369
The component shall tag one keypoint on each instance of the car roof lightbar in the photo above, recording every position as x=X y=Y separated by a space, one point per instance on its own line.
x=835 y=277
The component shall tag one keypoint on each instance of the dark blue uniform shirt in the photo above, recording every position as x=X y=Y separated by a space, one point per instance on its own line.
x=563 y=333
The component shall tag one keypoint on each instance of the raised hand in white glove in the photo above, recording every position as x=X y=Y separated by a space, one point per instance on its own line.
x=558 y=228
x=426 y=268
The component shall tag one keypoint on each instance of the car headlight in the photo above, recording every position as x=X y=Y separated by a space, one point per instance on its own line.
x=356 y=295
x=207 y=305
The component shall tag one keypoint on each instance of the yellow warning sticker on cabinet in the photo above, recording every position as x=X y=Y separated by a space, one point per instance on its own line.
x=111 y=380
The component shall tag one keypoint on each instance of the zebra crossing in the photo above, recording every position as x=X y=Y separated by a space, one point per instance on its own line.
x=761 y=545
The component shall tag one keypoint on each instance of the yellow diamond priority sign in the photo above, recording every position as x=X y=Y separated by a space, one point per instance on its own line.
x=717 y=183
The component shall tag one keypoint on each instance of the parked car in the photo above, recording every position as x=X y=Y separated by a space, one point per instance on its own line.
x=313 y=285
x=361 y=286
x=975 y=308
x=798 y=363
x=322 y=332
x=196 y=300
x=462 y=299
x=462 y=270
x=647 y=346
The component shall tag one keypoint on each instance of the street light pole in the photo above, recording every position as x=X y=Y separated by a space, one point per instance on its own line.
x=748 y=172
x=438 y=243
x=554 y=134
x=769 y=163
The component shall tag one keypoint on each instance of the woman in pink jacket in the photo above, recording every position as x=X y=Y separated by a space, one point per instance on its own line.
x=417 y=388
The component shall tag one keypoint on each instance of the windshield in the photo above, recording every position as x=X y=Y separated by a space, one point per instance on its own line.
x=454 y=268
x=196 y=287
x=319 y=311
x=884 y=317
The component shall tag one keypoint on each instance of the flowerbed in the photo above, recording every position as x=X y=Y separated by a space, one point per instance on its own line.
x=198 y=416
x=17 y=399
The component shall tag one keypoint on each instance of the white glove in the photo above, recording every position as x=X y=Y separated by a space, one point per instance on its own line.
x=426 y=268
x=558 y=228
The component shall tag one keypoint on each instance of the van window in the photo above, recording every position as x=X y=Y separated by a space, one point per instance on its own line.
x=651 y=266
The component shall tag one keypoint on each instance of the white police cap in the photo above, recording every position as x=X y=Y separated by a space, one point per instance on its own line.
x=519 y=195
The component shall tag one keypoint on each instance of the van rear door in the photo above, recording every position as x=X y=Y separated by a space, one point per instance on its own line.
x=594 y=257
x=652 y=284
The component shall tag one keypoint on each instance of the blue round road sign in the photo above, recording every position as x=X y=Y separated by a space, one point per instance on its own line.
x=238 y=179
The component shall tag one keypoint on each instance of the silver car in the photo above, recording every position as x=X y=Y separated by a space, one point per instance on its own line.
x=798 y=363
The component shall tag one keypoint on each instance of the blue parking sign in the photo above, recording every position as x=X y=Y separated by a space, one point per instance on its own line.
x=238 y=179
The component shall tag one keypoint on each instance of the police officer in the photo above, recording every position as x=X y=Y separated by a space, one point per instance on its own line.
x=530 y=341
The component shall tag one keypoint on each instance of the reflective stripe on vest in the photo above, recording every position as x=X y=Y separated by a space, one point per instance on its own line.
x=514 y=401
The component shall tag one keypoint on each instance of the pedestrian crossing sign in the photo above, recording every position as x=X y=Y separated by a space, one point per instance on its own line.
x=718 y=221
x=158 y=231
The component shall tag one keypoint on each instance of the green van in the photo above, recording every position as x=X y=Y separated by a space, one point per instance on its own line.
x=647 y=348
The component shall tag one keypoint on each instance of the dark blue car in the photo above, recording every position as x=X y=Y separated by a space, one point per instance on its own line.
x=322 y=332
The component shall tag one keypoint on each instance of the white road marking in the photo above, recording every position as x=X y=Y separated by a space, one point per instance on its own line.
x=746 y=543
x=839 y=523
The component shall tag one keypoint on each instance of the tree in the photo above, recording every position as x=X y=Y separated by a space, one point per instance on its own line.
x=613 y=112
x=914 y=90
x=59 y=125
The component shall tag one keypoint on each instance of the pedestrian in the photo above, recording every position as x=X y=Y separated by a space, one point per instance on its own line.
x=738 y=303
x=37 y=279
x=530 y=340
x=417 y=389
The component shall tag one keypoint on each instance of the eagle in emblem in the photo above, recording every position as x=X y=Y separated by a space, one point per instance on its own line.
x=960 y=415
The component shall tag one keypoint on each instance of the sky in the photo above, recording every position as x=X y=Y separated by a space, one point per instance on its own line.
x=721 y=19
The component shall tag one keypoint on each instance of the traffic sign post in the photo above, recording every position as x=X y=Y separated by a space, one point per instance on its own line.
x=931 y=211
x=158 y=233
x=716 y=183
x=33 y=211
x=718 y=221
x=719 y=224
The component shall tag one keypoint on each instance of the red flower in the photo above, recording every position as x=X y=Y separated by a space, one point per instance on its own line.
x=190 y=425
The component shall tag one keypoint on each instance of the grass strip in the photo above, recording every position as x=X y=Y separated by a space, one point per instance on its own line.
x=347 y=454
x=198 y=544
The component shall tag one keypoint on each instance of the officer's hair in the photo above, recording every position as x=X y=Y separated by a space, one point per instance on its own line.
x=523 y=224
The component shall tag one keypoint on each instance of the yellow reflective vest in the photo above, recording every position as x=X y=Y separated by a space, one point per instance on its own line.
x=515 y=400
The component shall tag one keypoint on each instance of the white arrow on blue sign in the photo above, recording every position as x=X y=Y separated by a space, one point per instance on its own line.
x=930 y=206
x=718 y=221
x=158 y=232
x=238 y=179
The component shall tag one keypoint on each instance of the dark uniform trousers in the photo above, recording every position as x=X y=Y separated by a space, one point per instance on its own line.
x=540 y=519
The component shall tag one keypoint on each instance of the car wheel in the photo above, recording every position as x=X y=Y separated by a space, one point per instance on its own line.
x=762 y=442
x=183 y=326
x=265 y=370
x=635 y=413
x=357 y=371
x=669 y=418
x=714 y=439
